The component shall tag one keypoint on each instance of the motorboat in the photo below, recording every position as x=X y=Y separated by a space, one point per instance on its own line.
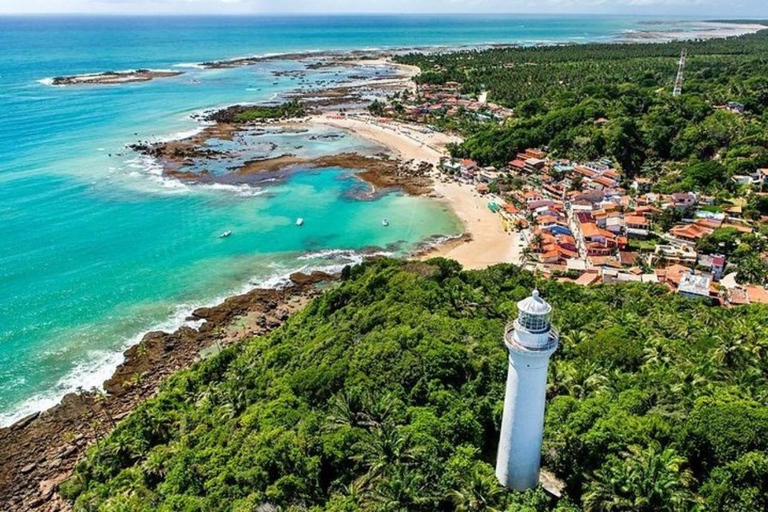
x=225 y=234
x=300 y=221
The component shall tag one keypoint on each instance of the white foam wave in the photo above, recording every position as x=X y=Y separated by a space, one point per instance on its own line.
x=99 y=366
x=147 y=167
x=189 y=65
x=238 y=190
x=184 y=134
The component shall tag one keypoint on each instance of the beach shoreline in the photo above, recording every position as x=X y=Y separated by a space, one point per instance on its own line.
x=484 y=241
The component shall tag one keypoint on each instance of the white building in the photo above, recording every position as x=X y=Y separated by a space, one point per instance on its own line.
x=531 y=341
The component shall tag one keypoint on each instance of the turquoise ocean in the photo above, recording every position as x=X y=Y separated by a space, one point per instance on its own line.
x=96 y=248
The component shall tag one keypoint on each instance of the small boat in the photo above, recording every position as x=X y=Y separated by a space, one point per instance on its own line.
x=225 y=234
x=300 y=221
x=384 y=222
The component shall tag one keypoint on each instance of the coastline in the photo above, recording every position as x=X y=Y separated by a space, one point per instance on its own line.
x=484 y=243
x=705 y=29
x=479 y=246
x=40 y=451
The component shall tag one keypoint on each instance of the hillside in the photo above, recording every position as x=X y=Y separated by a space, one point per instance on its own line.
x=386 y=393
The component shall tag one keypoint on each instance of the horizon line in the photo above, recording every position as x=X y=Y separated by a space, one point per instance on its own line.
x=710 y=18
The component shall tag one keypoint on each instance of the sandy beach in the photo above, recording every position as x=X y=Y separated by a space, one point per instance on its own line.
x=486 y=242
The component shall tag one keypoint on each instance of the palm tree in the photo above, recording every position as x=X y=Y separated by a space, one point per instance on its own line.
x=645 y=480
x=401 y=489
x=478 y=492
x=383 y=447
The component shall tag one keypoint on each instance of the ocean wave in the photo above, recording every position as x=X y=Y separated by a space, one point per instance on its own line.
x=189 y=65
x=238 y=190
x=84 y=375
x=146 y=167
x=149 y=170
x=185 y=134
x=99 y=366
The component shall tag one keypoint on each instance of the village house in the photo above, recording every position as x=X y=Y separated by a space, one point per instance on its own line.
x=690 y=232
x=468 y=170
x=682 y=201
x=637 y=226
x=642 y=185
x=735 y=107
x=695 y=286
x=676 y=253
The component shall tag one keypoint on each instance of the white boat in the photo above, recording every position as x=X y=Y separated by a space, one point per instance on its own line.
x=225 y=234
x=384 y=222
x=300 y=221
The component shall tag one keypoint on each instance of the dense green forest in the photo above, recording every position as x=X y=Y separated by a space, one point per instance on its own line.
x=386 y=394
x=251 y=113
x=586 y=101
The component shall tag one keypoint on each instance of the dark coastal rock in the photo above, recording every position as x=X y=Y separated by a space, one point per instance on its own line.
x=114 y=77
x=38 y=453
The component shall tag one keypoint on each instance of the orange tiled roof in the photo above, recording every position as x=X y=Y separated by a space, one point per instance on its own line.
x=510 y=208
x=757 y=294
x=585 y=172
x=606 y=182
x=587 y=279
x=691 y=231
x=550 y=255
x=635 y=220
x=589 y=229
x=738 y=227
x=605 y=261
x=709 y=223
x=546 y=219
x=675 y=273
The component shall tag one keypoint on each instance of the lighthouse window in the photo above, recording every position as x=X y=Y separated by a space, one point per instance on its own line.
x=534 y=323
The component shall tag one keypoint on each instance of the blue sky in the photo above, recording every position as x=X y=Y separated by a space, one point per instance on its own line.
x=694 y=8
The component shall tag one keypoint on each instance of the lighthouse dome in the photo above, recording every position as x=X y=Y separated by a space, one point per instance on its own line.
x=534 y=305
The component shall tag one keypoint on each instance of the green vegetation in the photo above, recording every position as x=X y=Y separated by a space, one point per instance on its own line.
x=587 y=101
x=261 y=112
x=386 y=394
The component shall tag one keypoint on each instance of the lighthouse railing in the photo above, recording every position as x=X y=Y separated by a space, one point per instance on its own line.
x=552 y=340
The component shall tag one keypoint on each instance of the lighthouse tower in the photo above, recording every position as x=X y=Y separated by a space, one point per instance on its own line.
x=531 y=340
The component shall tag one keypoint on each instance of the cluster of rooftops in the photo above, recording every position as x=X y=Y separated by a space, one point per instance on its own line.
x=579 y=224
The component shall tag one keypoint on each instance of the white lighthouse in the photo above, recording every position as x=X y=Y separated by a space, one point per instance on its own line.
x=531 y=340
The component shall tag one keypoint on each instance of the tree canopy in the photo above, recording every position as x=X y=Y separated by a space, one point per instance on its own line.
x=386 y=394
